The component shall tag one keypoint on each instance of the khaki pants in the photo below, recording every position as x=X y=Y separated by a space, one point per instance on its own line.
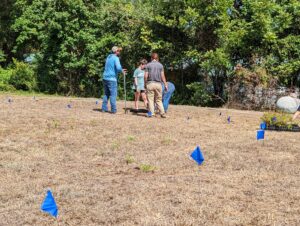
x=154 y=93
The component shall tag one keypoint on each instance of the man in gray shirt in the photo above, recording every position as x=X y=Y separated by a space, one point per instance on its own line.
x=154 y=76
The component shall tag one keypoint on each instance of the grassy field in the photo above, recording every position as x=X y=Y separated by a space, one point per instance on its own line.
x=122 y=169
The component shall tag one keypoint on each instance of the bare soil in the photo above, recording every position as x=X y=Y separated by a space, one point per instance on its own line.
x=94 y=163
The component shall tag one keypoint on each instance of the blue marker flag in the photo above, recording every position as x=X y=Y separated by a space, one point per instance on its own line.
x=228 y=119
x=260 y=135
x=263 y=125
x=97 y=102
x=49 y=205
x=69 y=106
x=197 y=155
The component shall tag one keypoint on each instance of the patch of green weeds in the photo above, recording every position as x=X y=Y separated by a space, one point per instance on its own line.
x=55 y=124
x=147 y=168
x=115 y=145
x=130 y=138
x=129 y=159
x=166 y=141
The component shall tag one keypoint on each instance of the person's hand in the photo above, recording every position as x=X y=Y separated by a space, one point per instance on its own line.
x=166 y=87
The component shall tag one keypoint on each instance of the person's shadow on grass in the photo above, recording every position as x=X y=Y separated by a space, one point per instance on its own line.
x=132 y=110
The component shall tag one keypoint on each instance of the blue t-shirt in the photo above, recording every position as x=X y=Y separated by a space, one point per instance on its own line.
x=140 y=75
x=112 y=68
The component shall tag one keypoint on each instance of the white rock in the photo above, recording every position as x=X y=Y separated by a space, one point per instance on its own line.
x=288 y=104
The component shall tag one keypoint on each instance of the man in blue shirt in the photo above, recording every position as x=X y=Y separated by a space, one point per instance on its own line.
x=110 y=79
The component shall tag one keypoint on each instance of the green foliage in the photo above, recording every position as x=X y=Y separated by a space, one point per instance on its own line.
x=278 y=119
x=199 y=42
x=147 y=168
x=22 y=76
x=254 y=75
x=129 y=159
x=2 y=56
x=130 y=138
x=5 y=75
x=200 y=96
x=6 y=87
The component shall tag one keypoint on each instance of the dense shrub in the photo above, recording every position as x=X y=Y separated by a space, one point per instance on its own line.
x=200 y=96
x=22 y=76
x=5 y=75
x=6 y=87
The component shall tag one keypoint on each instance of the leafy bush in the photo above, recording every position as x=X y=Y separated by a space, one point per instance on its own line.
x=2 y=56
x=200 y=95
x=255 y=75
x=5 y=75
x=6 y=87
x=23 y=76
x=278 y=119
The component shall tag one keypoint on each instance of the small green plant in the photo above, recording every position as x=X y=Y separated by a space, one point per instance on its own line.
x=166 y=141
x=130 y=138
x=55 y=124
x=129 y=159
x=147 y=168
x=115 y=145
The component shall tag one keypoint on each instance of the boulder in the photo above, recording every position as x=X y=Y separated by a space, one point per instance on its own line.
x=288 y=104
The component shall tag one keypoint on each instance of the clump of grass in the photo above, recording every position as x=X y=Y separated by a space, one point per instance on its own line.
x=166 y=141
x=55 y=124
x=130 y=138
x=115 y=145
x=129 y=159
x=52 y=125
x=147 y=168
x=93 y=122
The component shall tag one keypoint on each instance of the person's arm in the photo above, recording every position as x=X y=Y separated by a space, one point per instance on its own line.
x=145 y=79
x=296 y=115
x=118 y=65
x=135 y=82
x=135 y=74
x=163 y=78
x=146 y=74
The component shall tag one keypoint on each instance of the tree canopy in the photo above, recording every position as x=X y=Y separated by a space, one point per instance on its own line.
x=199 y=42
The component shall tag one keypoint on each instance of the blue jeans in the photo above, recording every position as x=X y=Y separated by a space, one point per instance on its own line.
x=167 y=95
x=110 y=92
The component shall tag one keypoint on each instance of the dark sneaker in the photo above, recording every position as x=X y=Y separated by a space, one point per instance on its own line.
x=163 y=116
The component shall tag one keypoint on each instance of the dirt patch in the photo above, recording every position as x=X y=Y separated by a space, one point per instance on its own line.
x=94 y=163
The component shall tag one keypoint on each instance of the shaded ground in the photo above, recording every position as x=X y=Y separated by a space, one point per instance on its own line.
x=91 y=162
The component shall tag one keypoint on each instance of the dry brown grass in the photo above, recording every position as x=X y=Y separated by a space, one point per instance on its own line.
x=92 y=162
